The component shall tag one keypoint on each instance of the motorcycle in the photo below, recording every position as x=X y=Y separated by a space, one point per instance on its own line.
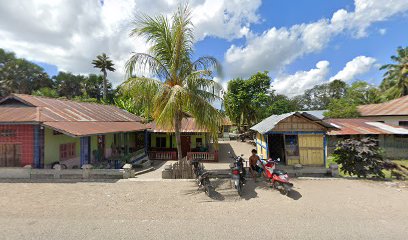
x=238 y=173
x=278 y=178
x=202 y=177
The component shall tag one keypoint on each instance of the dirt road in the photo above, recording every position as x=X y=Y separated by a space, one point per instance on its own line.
x=317 y=209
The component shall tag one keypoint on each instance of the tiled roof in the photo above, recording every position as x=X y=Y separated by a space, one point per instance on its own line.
x=394 y=107
x=361 y=126
x=187 y=125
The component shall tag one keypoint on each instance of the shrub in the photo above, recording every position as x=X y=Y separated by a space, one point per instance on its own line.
x=360 y=157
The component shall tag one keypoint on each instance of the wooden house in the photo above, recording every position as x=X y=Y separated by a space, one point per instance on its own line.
x=295 y=138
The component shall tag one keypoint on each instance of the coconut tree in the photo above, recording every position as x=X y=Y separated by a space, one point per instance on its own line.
x=176 y=85
x=104 y=64
x=395 y=83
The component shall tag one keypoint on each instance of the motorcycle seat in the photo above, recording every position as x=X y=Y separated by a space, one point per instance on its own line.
x=278 y=172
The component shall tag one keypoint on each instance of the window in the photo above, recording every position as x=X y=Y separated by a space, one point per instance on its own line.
x=199 y=142
x=403 y=123
x=8 y=133
x=67 y=151
x=161 y=142
x=291 y=145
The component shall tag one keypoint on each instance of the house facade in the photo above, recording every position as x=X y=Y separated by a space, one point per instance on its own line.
x=41 y=132
x=195 y=142
x=295 y=138
x=394 y=112
x=392 y=139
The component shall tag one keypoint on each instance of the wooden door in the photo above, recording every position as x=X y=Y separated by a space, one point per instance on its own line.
x=10 y=155
x=185 y=145
x=311 y=149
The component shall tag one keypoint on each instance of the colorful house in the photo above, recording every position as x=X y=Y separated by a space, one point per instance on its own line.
x=295 y=138
x=40 y=132
x=195 y=142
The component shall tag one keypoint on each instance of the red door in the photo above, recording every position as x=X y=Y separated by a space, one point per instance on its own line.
x=185 y=145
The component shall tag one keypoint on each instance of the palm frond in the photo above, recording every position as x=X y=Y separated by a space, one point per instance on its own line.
x=145 y=63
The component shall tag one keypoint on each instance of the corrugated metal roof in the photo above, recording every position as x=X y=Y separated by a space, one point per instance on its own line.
x=394 y=107
x=78 y=129
x=187 y=125
x=71 y=117
x=360 y=126
x=269 y=123
x=18 y=114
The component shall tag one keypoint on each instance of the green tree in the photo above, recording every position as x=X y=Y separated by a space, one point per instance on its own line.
x=20 y=76
x=395 y=82
x=69 y=85
x=341 y=108
x=360 y=93
x=105 y=64
x=280 y=104
x=180 y=85
x=46 y=92
x=246 y=100
x=92 y=87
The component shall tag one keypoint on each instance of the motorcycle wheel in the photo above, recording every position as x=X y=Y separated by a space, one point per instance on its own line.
x=208 y=190
x=286 y=189
x=239 y=188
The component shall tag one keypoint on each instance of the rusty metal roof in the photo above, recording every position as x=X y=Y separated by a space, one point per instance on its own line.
x=394 y=107
x=360 y=126
x=78 y=129
x=187 y=125
x=71 y=117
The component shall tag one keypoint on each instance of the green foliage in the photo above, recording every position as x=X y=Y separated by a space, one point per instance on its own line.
x=68 y=84
x=246 y=100
x=361 y=93
x=20 y=76
x=178 y=85
x=395 y=82
x=280 y=104
x=319 y=97
x=362 y=158
x=341 y=108
x=104 y=64
x=46 y=92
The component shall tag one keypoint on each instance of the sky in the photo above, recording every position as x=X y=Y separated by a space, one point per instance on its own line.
x=300 y=43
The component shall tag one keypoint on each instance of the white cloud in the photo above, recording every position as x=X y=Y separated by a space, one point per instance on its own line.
x=297 y=83
x=71 y=33
x=277 y=47
x=382 y=31
x=355 y=67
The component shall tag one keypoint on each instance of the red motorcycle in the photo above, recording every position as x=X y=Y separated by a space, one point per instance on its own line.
x=278 y=178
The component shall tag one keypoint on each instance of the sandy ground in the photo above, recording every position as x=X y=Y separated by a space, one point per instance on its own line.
x=126 y=209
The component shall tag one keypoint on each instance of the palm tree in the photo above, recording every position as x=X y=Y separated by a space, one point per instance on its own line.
x=395 y=83
x=105 y=64
x=176 y=86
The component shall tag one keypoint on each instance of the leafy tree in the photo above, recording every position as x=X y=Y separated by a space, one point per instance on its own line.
x=69 y=85
x=92 y=87
x=395 y=82
x=105 y=64
x=46 y=92
x=246 y=100
x=179 y=85
x=361 y=93
x=341 y=108
x=20 y=76
x=280 y=104
x=360 y=157
x=319 y=97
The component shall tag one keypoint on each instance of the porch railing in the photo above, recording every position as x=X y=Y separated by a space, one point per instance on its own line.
x=206 y=156
x=156 y=155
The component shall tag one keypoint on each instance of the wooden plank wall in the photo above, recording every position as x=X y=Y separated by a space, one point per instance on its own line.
x=311 y=149
x=10 y=155
x=299 y=124
x=261 y=145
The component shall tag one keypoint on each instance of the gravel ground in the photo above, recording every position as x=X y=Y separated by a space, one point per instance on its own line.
x=126 y=209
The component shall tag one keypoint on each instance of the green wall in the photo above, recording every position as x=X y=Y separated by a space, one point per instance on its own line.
x=52 y=145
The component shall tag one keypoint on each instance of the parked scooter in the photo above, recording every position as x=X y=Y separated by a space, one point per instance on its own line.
x=202 y=177
x=278 y=178
x=238 y=172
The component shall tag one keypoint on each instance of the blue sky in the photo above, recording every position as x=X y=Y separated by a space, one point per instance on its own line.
x=300 y=42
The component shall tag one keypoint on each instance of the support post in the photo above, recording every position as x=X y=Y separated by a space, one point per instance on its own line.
x=146 y=139
x=126 y=142
x=37 y=146
x=325 y=149
x=85 y=150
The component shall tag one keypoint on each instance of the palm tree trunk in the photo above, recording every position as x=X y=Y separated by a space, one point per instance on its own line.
x=105 y=91
x=177 y=126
